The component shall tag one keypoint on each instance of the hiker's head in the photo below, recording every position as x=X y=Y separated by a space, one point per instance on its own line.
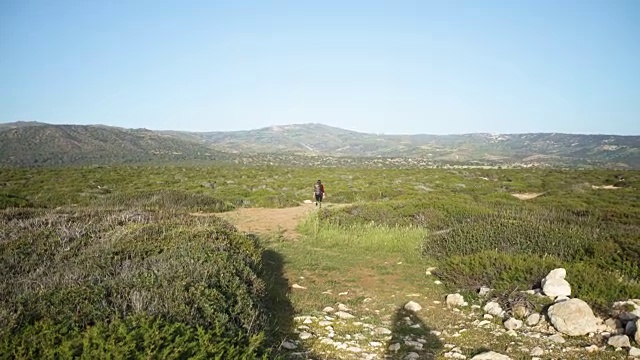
x=319 y=181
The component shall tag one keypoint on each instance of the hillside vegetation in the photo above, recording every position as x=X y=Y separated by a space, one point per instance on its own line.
x=113 y=260
x=37 y=144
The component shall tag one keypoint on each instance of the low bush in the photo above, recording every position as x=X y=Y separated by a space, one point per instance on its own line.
x=92 y=283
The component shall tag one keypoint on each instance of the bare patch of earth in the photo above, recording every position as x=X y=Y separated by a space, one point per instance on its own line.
x=527 y=196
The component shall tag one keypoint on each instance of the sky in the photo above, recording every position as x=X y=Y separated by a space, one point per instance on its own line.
x=392 y=67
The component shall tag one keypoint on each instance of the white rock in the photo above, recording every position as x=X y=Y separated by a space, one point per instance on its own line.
x=289 y=345
x=354 y=349
x=394 y=347
x=343 y=315
x=305 y=335
x=573 y=317
x=296 y=286
x=381 y=331
x=613 y=324
x=375 y=343
x=484 y=323
x=328 y=310
x=591 y=348
x=512 y=333
x=536 y=351
x=619 y=341
x=412 y=355
x=487 y=316
x=325 y=323
x=493 y=308
x=484 y=291
x=412 y=306
x=512 y=324
x=307 y=321
x=637 y=337
x=437 y=282
x=490 y=355
x=326 y=341
x=533 y=319
x=557 y=338
x=559 y=273
x=343 y=307
x=625 y=313
x=556 y=287
x=454 y=355
x=454 y=300
x=634 y=352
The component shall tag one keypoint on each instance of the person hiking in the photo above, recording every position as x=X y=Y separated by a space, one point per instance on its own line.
x=318 y=191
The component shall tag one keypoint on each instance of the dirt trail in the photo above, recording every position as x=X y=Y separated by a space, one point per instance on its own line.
x=266 y=220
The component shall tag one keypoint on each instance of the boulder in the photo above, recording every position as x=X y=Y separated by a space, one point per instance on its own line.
x=412 y=306
x=454 y=300
x=556 y=287
x=533 y=319
x=512 y=324
x=493 y=308
x=634 y=352
x=619 y=341
x=573 y=317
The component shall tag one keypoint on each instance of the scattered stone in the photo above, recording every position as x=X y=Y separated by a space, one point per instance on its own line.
x=394 y=347
x=412 y=306
x=354 y=349
x=613 y=324
x=490 y=355
x=493 y=308
x=533 y=319
x=573 y=317
x=375 y=343
x=619 y=341
x=634 y=352
x=307 y=321
x=454 y=355
x=592 y=348
x=554 y=284
x=382 y=331
x=325 y=323
x=512 y=333
x=343 y=307
x=289 y=345
x=326 y=341
x=557 y=338
x=488 y=316
x=536 y=351
x=343 y=315
x=628 y=310
x=437 y=282
x=328 y=310
x=483 y=323
x=637 y=337
x=296 y=286
x=430 y=270
x=512 y=324
x=454 y=300
x=474 y=306
x=484 y=291
x=305 y=335
x=412 y=355
x=343 y=293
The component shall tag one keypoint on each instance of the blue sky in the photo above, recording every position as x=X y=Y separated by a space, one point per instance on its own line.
x=395 y=67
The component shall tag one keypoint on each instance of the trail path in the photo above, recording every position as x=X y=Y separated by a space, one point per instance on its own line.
x=266 y=220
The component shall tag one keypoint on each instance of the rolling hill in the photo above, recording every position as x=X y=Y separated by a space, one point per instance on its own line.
x=30 y=143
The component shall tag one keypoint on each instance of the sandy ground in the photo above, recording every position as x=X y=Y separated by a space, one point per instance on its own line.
x=265 y=220
x=608 y=187
x=527 y=196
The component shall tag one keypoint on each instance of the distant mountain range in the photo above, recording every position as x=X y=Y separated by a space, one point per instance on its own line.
x=32 y=143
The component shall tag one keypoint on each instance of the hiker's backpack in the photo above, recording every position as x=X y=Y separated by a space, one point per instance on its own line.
x=317 y=189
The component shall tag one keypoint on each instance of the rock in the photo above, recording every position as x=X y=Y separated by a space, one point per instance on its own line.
x=454 y=300
x=628 y=310
x=487 y=316
x=533 y=319
x=430 y=271
x=343 y=315
x=354 y=349
x=484 y=291
x=375 y=343
x=438 y=282
x=412 y=306
x=326 y=341
x=325 y=323
x=343 y=307
x=630 y=328
x=573 y=317
x=381 y=331
x=394 y=347
x=512 y=324
x=637 y=337
x=557 y=338
x=559 y=273
x=556 y=287
x=512 y=333
x=634 y=352
x=289 y=345
x=591 y=348
x=328 y=310
x=412 y=355
x=490 y=355
x=536 y=351
x=296 y=286
x=454 y=355
x=619 y=341
x=305 y=335
x=493 y=308
x=613 y=324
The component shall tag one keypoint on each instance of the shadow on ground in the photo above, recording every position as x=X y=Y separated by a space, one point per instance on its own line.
x=280 y=309
x=409 y=334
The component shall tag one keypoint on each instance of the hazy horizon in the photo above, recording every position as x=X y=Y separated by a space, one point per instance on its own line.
x=405 y=67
